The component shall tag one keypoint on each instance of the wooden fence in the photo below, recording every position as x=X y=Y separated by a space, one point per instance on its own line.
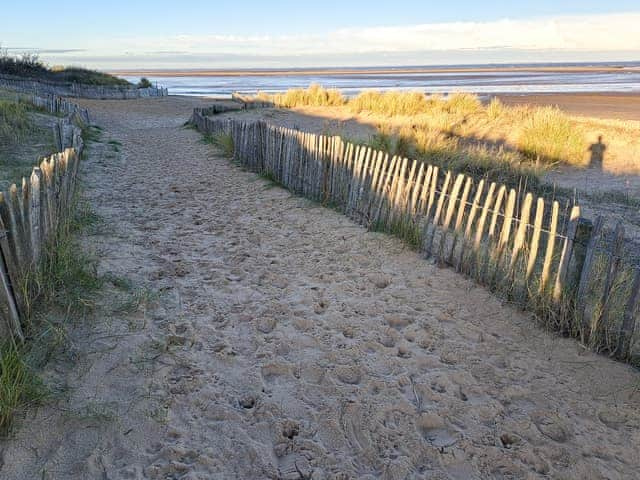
x=59 y=106
x=537 y=253
x=30 y=215
x=76 y=90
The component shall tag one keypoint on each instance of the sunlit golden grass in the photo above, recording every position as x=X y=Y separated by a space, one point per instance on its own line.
x=547 y=134
x=314 y=96
x=390 y=103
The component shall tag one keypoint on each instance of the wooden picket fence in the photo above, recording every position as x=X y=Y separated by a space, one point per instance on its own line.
x=30 y=216
x=57 y=105
x=537 y=253
x=77 y=90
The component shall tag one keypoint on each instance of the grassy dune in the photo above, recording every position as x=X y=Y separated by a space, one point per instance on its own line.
x=14 y=122
x=30 y=66
x=503 y=142
x=24 y=136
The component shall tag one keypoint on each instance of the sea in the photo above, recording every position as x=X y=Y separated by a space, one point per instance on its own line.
x=621 y=77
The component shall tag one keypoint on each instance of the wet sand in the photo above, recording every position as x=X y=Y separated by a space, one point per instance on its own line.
x=266 y=72
x=619 y=106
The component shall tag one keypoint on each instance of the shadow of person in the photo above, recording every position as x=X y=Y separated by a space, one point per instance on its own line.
x=597 y=154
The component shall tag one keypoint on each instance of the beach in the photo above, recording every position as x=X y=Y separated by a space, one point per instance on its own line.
x=483 y=80
x=265 y=72
x=281 y=340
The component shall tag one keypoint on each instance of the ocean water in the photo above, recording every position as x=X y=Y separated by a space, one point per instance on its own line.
x=626 y=79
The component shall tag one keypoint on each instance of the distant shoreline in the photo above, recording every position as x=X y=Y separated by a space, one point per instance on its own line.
x=371 y=71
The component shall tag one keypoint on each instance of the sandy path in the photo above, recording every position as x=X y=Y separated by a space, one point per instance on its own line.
x=286 y=342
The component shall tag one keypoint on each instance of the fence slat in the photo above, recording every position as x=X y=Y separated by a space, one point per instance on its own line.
x=565 y=256
x=373 y=189
x=428 y=236
x=505 y=232
x=467 y=231
x=384 y=190
x=10 y=317
x=535 y=240
x=613 y=265
x=585 y=275
x=490 y=245
x=451 y=206
x=417 y=188
x=396 y=191
x=424 y=193
x=628 y=321
x=462 y=208
x=551 y=239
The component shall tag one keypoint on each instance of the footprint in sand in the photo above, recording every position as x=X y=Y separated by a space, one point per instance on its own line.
x=398 y=321
x=434 y=430
x=266 y=324
x=349 y=374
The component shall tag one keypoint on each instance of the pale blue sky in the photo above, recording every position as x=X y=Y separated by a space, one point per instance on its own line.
x=127 y=34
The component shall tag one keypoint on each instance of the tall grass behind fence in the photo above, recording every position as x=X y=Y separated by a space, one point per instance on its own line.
x=73 y=116
x=77 y=90
x=31 y=214
x=537 y=253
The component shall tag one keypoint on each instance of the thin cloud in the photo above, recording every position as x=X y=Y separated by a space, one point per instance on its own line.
x=578 y=34
x=585 y=32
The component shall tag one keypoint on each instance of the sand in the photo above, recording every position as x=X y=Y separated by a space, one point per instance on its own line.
x=282 y=341
x=360 y=72
x=621 y=106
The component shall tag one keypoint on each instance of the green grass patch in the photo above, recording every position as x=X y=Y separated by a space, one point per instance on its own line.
x=22 y=140
x=14 y=122
x=92 y=133
x=222 y=141
x=19 y=385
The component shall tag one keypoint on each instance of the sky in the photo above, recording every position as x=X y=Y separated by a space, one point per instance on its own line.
x=279 y=33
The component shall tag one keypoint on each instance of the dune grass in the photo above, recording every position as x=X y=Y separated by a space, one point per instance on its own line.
x=222 y=141
x=30 y=66
x=14 y=122
x=23 y=138
x=458 y=130
x=19 y=385
x=314 y=96
x=547 y=134
x=479 y=161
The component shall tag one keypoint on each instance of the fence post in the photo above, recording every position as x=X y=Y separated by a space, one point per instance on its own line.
x=613 y=266
x=9 y=310
x=590 y=235
x=623 y=348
